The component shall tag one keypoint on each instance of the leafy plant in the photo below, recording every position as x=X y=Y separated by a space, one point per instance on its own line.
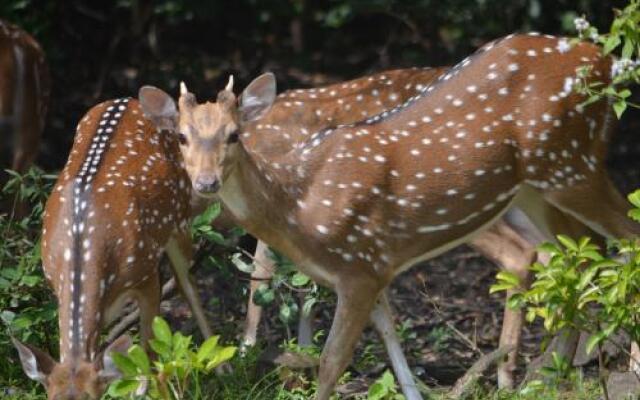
x=622 y=40
x=385 y=388
x=27 y=307
x=176 y=371
x=285 y=288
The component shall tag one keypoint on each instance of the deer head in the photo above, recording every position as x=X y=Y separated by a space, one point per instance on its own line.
x=208 y=132
x=72 y=379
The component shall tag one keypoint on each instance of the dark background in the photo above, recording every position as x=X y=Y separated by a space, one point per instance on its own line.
x=104 y=49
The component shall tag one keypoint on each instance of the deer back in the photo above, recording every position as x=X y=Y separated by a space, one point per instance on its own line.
x=118 y=199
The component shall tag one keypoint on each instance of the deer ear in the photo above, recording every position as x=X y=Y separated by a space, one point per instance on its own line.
x=258 y=97
x=158 y=107
x=109 y=371
x=36 y=363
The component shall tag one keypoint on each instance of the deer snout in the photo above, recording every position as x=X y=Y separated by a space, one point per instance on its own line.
x=206 y=184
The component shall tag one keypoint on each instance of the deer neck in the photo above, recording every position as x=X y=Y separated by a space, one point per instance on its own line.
x=79 y=314
x=259 y=187
x=80 y=282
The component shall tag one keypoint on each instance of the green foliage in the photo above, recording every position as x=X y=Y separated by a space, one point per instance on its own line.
x=27 y=306
x=283 y=290
x=623 y=41
x=201 y=228
x=176 y=371
x=384 y=388
x=581 y=288
x=634 y=198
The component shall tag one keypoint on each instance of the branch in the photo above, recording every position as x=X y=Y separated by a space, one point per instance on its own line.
x=477 y=370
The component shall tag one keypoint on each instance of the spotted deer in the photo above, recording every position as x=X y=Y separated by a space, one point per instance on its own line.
x=356 y=204
x=24 y=94
x=296 y=114
x=121 y=201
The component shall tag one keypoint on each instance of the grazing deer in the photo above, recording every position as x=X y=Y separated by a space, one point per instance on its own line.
x=354 y=205
x=24 y=93
x=121 y=201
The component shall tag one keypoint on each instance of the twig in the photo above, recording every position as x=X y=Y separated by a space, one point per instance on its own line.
x=451 y=326
x=477 y=370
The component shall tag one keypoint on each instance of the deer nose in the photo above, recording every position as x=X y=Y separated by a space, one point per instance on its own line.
x=207 y=184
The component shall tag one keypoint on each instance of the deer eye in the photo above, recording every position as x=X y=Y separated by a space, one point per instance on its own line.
x=182 y=139
x=233 y=137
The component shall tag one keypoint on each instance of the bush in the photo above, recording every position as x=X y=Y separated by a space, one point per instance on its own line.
x=176 y=372
x=27 y=307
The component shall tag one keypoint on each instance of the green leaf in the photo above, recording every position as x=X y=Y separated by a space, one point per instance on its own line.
x=215 y=237
x=288 y=312
x=123 y=387
x=224 y=354
x=237 y=260
x=624 y=93
x=139 y=358
x=619 y=107
x=612 y=42
x=500 y=287
x=635 y=214
x=264 y=295
x=568 y=242
x=208 y=347
x=593 y=341
x=309 y=302
x=299 y=279
x=508 y=277
x=634 y=198
x=124 y=364
x=161 y=348
x=587 y=276
x=550 y=248
x=161 y=330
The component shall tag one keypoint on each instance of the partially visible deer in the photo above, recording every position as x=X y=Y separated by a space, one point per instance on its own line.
x=121 y=201
x=296 y=114
x=24 y=94
x=355 y=205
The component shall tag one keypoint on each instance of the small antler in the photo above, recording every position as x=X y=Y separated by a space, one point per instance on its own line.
x=183 y=89
x=229 y=86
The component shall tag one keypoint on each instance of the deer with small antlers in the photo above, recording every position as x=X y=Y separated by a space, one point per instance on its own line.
x=121 y=201
x=24 y=93
x=356 y=204
x=296 y=114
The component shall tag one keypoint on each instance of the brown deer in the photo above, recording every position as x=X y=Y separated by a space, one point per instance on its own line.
x=24 y=93
x=297 y=113
x=356 y=204
x=24 y=96
x=121 y=201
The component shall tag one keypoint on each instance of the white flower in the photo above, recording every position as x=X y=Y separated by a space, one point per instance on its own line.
x=581 y=24
x=563 y=45
x=568 y=84
x=622 y=66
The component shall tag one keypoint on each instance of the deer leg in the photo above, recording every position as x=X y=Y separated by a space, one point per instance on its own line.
x=179 y=252
x=507 y=248
x=264 y=269
x=382 y=319
x=356 y=297
x=148 y=299
x=305 y=325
